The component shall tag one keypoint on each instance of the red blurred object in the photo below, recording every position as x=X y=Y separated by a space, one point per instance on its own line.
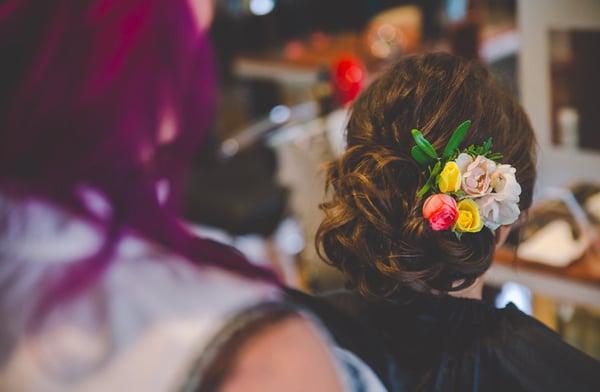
x=319 y=41
x=294 y=50
x=349 y=75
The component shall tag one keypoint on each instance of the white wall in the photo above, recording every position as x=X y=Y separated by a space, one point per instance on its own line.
x=535 y=19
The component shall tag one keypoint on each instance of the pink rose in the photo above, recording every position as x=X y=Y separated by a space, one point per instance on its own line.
x=441 y=211
x=476 y=178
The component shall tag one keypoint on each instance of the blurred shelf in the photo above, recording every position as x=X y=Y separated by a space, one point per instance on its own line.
x=280 y=71
x=298 y=62
x=578 y=283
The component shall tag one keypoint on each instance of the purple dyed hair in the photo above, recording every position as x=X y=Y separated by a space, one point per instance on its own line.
x=85 y=86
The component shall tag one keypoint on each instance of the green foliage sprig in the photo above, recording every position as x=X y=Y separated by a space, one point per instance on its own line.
x=484 y=150
x=426 y=156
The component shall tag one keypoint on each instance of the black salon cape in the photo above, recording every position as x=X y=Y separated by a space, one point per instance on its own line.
x=425 y=343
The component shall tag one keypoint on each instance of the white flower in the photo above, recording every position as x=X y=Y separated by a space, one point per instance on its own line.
x=476 y=178
x=463 y=160
x=505 y=183
x=501 y=207
x=497 y=210
x=493 y=187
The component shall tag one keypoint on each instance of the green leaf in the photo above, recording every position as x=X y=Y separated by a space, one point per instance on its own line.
x=431 y=181
x=419 y=156
x=435 y=171
x=456 y=139
x=495 y=156
x=423 y=191
x=423 y=144
x=459 y=194
x=487 y=145
x=454 y=155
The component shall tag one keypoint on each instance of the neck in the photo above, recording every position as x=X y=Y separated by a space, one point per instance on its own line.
x=474 y=291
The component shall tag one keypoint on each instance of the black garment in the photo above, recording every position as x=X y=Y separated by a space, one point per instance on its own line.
x=455 y=344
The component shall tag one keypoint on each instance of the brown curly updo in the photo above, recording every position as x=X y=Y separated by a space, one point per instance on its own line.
x=373 y=229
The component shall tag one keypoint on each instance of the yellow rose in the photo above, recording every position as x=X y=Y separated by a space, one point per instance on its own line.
x=449 y=179
x=469 y=219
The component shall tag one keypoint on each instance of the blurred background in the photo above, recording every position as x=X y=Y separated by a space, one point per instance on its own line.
x=288 y=69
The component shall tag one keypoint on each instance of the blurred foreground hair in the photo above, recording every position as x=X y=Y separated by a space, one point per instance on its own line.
x=111 y=96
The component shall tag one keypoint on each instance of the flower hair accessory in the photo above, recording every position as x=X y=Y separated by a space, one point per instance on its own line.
x=467 y=189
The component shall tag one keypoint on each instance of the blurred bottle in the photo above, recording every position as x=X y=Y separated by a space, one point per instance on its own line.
x=568 y=125
x=464 y=28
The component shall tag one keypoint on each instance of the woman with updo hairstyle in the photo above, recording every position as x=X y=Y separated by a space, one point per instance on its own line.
x=417 y=288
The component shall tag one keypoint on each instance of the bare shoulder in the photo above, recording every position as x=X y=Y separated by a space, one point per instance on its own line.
x=289 y=355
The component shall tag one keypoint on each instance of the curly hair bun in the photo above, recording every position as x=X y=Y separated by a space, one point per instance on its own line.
x=373 y=229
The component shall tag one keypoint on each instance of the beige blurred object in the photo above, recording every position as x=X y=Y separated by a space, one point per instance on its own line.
x=302 y=150
x=544 y=309
x=581 y=328
x=592 y=205
x=554 y=245
x=393 y=33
